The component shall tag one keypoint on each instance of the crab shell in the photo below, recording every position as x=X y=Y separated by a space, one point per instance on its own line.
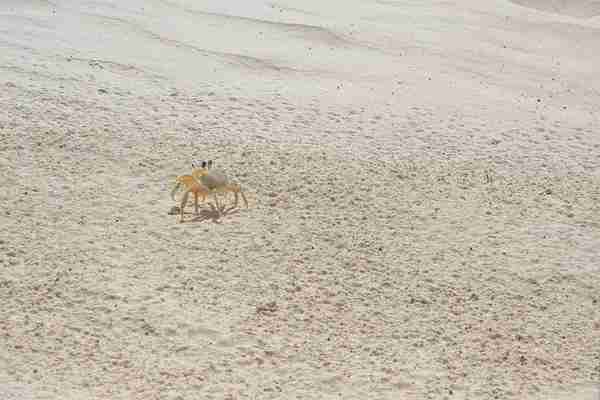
x=214 y=180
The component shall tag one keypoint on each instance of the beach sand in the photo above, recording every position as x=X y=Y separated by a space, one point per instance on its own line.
x=424 y=188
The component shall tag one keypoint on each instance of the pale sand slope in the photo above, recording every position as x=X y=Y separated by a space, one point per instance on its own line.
x=425 y=200
x=575 y=8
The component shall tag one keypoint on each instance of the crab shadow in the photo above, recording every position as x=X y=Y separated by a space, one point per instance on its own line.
x=213 y=215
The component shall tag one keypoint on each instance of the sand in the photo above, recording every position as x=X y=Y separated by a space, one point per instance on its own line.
x=424 y=188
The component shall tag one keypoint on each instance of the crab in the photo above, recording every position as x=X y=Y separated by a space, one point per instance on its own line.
x=205 y=181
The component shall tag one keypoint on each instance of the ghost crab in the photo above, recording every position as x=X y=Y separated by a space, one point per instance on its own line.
x=205 y=181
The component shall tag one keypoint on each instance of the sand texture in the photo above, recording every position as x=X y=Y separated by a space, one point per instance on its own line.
x=424 y=189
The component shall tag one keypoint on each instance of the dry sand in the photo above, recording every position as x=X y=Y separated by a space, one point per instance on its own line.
x=424 y=186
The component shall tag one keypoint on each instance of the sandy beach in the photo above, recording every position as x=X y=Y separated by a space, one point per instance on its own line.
x=423 y=182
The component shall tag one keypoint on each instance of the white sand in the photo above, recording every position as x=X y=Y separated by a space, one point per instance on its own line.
x=424 y=181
